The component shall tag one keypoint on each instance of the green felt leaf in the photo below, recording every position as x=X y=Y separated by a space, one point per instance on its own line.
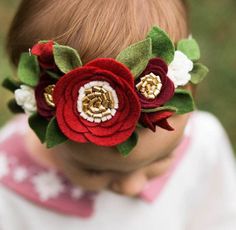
x=190 y=48
x=136 y=56
x=198 y=73
x=54 y=136
x=163 y=108
x=28 y=69
x=66 y=58
x=162 y=46
x=39 y=125
x=46 y=41
x=10 y=84
x=139 y=125
x=182 y=100
x=126 y=147
x=14 y=108
x=53 y=75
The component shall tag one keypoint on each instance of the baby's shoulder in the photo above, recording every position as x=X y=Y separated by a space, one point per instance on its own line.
x=207 y=125
x=208 y=135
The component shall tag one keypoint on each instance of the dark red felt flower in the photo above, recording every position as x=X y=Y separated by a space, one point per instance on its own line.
x=42 y=95
x=151 y=120
x=83 y=89
x=154 y=89
x=159 y=68
x=44 y=52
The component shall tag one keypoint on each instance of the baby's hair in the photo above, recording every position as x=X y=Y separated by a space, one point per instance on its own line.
x=99 y=28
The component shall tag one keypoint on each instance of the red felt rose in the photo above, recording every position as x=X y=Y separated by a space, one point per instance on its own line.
x=44 y=52
x=43 y=108
x=159 y=68
x=151 y=120
x=77 y=87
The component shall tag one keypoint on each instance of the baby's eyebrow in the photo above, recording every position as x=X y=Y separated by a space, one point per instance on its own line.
x=89 y=167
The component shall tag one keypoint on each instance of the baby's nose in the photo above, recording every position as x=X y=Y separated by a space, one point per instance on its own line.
x=129 y=185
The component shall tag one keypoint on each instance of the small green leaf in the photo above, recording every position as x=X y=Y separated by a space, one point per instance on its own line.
x=169 y=108
x=183 y=101
x=136 y=56
x=54 y=136
x=162 y=46
x=190 y=48
x=66 y=58
x=53 y=75
x=28 y=69
x=126 y=147
x=13 y=107
x=198 y=73
x=46 y=41
x=10 y=84
x=39 y=125
x=139 y=125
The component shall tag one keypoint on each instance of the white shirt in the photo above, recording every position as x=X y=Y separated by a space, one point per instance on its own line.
x=200 y=195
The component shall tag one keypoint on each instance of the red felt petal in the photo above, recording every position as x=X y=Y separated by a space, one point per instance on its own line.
x=165 y=125
x=151 y=120
x=134 y=111
x=72 y=120
x=71 y=134
x=46 y=113
x=158 y=62
x=114 y=67
x=110 y=141
x=146 y=122
x=100 y=131
x=44 y=51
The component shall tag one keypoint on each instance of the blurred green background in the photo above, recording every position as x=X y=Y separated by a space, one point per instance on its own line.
x=213 y=25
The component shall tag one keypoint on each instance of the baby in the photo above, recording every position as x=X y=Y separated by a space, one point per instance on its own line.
x=185 y=177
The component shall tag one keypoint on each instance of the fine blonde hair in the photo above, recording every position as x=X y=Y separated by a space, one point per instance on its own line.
x=100 y=28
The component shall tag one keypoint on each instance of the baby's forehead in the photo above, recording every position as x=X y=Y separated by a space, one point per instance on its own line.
x=100 y=158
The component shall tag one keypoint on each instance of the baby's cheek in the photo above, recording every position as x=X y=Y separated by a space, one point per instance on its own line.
x=156 y=145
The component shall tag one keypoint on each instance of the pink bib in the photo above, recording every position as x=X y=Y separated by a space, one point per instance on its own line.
x=51 y=189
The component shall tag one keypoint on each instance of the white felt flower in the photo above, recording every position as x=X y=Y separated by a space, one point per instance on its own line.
x=26 y=99
x=48 y=185
x=179 y=68
x=4 y=165
x=20 y=174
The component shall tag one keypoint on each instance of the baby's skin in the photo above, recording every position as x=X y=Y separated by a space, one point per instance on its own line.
x=96 y=168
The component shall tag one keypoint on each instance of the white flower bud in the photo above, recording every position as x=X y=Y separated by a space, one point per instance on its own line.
x=179 y=68
x=26 y=99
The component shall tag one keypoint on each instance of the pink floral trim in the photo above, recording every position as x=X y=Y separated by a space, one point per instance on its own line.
x=42 y=186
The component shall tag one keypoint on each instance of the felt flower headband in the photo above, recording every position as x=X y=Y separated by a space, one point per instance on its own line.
x=106 y=100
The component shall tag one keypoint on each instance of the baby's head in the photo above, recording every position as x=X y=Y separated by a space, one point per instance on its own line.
x=102 y=29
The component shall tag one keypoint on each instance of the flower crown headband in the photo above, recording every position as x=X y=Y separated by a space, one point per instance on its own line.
x=105 y=100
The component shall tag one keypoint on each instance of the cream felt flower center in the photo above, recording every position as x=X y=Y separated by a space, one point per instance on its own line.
x=48 y=92
x=150 y=86
x=97 y=101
